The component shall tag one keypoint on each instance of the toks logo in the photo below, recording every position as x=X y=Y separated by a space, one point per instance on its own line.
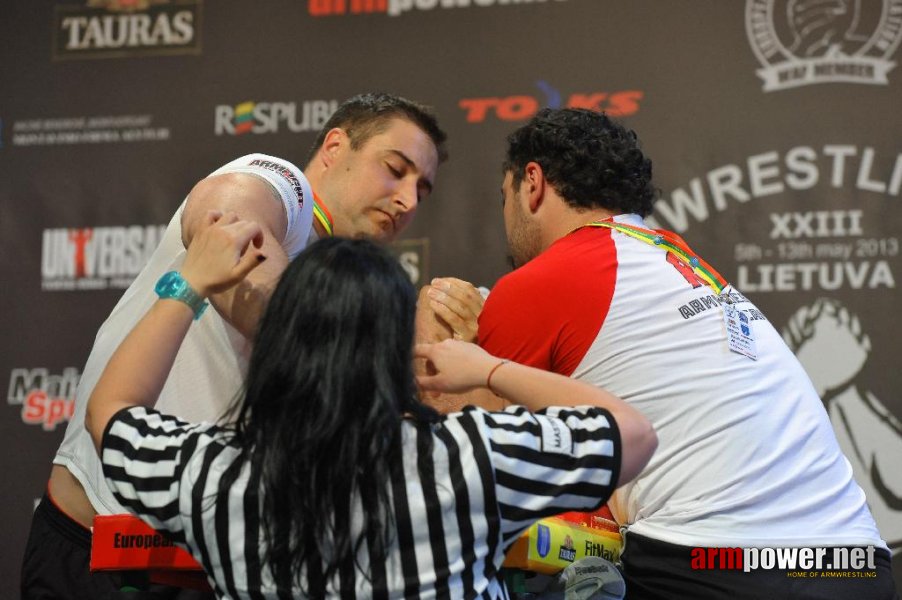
x=519 y=108
x=393 y=8
x=46 y=400
x=799 y=43
x=96 y=258
x=118 y=28
x=269 y=117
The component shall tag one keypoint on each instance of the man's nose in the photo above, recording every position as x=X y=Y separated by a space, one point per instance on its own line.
x=406 y=197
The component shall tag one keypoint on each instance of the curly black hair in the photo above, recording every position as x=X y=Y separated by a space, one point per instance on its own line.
x=590 y=160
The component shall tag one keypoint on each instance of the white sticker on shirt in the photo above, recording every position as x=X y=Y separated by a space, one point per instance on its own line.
x=556 y=436
x=739 y=332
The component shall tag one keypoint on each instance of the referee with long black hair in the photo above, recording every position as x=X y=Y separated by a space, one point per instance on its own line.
x=335 y=479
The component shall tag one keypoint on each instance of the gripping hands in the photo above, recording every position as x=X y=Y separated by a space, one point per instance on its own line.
x=224 y=250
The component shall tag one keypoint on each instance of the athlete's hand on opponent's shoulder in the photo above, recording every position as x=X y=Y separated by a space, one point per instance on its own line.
x=224 y=250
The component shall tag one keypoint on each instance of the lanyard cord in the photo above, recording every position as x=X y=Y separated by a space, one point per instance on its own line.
x=321 y=214
x=670 y=243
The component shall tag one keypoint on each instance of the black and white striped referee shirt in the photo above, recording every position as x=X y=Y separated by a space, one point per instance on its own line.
x=493 y=474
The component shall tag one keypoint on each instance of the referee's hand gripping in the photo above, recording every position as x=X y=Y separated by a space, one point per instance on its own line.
x=453 y=366
x=224 y=250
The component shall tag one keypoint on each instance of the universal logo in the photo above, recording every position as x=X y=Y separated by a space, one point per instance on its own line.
x=96 y=258
x=799 y=42
x=124 y=28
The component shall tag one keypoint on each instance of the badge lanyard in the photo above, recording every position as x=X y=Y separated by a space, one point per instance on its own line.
x=740 y=338
x=321 y=213
x=672 y=244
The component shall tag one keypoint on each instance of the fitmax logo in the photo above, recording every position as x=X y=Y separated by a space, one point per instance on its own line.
x=521 y=107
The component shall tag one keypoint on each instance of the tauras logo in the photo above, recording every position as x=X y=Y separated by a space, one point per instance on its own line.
x=119 y=28
x=96 y=257
x=270 y=117
x=799 y=42
x=567 y=551
x=46 y=399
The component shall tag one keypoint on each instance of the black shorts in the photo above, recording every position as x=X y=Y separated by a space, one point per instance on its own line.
x=656 y=570
x=56 y=565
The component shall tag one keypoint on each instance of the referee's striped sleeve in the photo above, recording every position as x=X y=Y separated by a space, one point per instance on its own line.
x=562 y=459
x=142 y=451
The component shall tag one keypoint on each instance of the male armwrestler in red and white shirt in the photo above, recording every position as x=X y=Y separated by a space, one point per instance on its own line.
x=747 y=456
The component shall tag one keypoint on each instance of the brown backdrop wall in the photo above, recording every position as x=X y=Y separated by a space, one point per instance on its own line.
x=777 y=151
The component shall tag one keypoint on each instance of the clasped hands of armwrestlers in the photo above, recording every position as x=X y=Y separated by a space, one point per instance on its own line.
x=456 y=305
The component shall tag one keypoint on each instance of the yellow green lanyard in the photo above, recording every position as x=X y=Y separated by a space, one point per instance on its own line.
x=673 y=244
x=321 y=213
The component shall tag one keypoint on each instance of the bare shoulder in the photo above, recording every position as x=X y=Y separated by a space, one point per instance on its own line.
x=252 y=198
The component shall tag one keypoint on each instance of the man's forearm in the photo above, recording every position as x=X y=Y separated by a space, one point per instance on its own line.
x=244 y=305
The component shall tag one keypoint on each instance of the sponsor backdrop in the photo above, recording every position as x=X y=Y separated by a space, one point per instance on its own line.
x=773 y=124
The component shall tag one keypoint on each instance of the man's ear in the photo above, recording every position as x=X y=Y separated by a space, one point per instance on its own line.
x=534 y=180
x=333 y=143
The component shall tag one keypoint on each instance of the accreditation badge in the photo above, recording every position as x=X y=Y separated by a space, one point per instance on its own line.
x=740 y=337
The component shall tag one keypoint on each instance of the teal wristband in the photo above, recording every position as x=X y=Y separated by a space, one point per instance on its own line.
x=173 y=285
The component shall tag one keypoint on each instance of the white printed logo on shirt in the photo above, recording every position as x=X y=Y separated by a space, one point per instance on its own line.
x=556 y=436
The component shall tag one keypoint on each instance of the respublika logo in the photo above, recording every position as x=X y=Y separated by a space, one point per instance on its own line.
x=120 y=28
x=622 y=103
x=46 y=399
x=393 y=8
x=270 y=117
x=799 y=42
x=96 y=258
